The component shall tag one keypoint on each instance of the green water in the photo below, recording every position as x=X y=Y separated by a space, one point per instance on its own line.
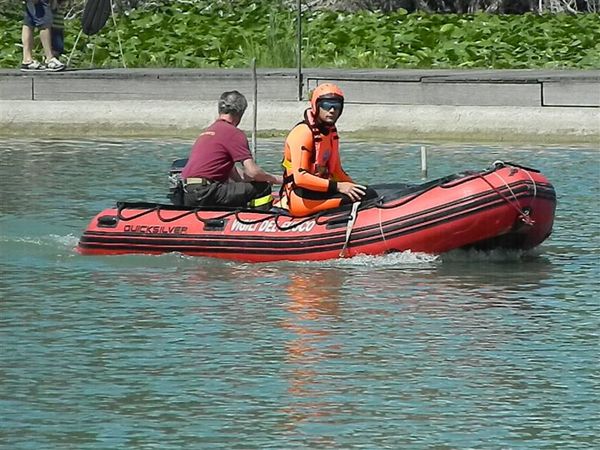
x=471 y=350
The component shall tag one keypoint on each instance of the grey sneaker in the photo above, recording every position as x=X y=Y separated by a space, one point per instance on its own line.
x=32 y=66
x=54 y=65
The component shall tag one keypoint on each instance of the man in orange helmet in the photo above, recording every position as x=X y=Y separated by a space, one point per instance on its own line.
x=313 y=178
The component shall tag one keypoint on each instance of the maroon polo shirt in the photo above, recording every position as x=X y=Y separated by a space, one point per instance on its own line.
x=216 y=151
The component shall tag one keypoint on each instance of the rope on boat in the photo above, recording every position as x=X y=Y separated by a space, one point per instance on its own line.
x=267 y=215
x=253 y=222
x=271 y=214
x=381 y=229
x=532 y=182
x=294 y=223
x=205 y=221
x=172 y=219
x=158 y=209
x=523 y=214
x=357 y=206
x=120 y=216
x=411 y=198
x=507 y=186
x=353 y=215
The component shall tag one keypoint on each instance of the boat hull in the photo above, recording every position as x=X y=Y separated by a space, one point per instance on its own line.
x=505 y=207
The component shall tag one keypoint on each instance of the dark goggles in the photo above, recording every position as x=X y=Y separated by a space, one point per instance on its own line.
x=328 y=104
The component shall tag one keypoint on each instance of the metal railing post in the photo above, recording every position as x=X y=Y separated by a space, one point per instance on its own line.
x=299 y=55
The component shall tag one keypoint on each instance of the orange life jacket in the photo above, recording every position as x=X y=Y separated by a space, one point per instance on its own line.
x=323 y=147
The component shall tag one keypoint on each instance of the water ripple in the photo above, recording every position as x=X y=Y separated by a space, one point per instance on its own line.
x=467 y=350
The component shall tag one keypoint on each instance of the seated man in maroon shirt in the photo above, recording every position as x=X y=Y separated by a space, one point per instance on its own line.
x=211 y=177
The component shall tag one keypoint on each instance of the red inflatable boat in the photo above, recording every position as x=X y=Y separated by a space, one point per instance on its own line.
x=507 y=206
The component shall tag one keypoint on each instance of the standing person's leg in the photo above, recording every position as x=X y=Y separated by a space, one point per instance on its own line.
x=58 y=41
x=45 y=18
x=27 y=36
x=27 y=40
x=36 y=14
x=53 y=64
x=46 y=38
x=29 y=64
x=40 y=15
x=57 y=30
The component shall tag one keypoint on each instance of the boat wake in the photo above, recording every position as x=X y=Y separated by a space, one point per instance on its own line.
x=52 y=240
x=494 y=256
x=407 y=258
x=36 y=251
x=396 y=260
x=417 y=260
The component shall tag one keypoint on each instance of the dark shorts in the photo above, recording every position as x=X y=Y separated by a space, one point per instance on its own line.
x=37 y=15
x=225 y=194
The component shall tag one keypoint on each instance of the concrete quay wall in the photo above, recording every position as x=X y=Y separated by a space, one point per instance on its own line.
x=511 y=105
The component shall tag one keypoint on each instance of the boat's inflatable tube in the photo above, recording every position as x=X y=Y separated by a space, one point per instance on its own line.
x=506 y=206
x=95 y=15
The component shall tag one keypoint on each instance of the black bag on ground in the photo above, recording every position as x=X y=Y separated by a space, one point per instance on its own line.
x=95 y=15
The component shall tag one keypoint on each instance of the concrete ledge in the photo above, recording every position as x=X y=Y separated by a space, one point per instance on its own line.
x=436 y=93
x=582 y=94
x=187 y=118
x=541 y=106
x=391 y=86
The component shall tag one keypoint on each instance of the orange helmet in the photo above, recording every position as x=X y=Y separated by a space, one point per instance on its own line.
x=325 y=91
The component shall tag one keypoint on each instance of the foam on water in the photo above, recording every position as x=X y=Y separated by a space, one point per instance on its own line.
x=68 y=241
x=406 y=258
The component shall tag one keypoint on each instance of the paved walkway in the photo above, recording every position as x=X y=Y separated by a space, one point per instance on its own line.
x=533 y=105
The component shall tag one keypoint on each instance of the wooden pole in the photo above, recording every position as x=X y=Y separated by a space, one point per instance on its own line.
x=254 y=107
x=423 y=162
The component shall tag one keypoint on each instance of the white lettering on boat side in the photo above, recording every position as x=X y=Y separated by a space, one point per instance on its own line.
x=269 y=226
x=154 y=229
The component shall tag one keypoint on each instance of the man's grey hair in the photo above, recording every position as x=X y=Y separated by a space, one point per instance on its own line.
x=232 y=102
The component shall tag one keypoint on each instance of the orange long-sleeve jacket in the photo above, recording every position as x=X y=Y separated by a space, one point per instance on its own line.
x=311 y=162
x=313 y=165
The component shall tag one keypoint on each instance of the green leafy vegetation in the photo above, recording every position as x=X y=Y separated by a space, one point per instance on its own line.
x=228 y=35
